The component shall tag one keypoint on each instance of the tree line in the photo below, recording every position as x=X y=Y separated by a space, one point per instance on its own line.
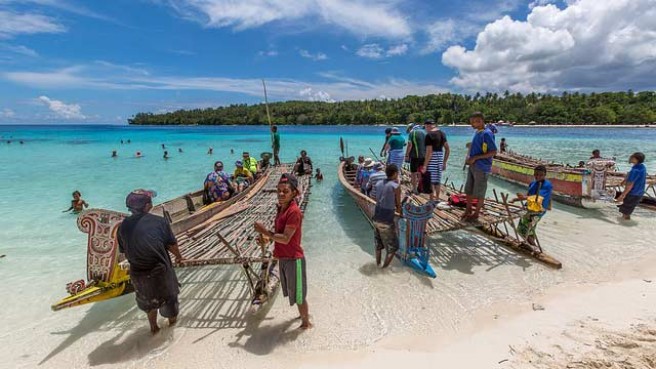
x=569 y=108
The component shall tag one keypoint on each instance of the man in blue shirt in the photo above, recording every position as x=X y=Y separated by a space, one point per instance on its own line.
x=634 y=186
x=539 y=189
x=481 y=152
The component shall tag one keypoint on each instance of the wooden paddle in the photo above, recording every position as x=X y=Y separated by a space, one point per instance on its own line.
x=341 y=146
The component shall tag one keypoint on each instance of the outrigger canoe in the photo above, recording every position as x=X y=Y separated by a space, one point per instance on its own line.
x=107 y=271
x=596 y=183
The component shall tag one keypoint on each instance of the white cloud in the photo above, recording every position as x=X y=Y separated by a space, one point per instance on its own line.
x=397 y=50
x=96 y=77
x=590 y=44
x=62 y=110
x=375 y=51
x=19 y=49
x=371 y=51
x=312 y=95
x=316 y=57
x=360 y=17
x=7 y=113
x=13 y=24
x=269 y=53
x=536 y=3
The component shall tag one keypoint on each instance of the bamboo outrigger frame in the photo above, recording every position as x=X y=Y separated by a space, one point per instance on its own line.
x=218 y=234
x=498 y=219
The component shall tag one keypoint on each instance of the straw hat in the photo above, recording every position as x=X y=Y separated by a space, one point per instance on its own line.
x=368 y=163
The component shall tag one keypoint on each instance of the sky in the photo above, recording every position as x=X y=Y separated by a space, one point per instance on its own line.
x=75 y=61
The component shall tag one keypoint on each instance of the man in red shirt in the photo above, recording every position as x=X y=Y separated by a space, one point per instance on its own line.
x=287 y=248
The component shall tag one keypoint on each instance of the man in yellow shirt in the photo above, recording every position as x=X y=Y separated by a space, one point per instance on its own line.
x=242 y=177
x=250 y=163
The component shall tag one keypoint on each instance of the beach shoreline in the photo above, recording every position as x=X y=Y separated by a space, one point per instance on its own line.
x=590 y=325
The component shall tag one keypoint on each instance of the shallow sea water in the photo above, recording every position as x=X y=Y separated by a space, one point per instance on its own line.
x=353 y=303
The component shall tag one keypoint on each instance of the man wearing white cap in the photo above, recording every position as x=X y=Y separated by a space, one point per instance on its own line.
x=146 y=241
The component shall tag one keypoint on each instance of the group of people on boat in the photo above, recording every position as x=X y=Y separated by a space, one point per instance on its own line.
x=220 y=186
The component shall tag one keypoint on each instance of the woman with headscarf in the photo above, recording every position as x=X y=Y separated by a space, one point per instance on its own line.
x=146 y=241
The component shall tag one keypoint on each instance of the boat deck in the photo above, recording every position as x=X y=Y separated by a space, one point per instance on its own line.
x=229 y=236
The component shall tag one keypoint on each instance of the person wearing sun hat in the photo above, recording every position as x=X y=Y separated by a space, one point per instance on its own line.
x=146 y=240
x=394 y=149
x=365 y=173
x=287 y=235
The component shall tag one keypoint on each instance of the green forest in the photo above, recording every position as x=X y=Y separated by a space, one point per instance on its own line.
x=569 y=108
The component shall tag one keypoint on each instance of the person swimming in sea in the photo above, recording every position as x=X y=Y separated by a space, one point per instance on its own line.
x=166 y=154
x=180 y=150
x=318 y=176
x=163 y=147
x=138 y=154
x=114 y=154
x=210 y=151
x=77 y=204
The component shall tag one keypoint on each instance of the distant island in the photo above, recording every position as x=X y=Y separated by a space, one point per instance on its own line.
x=606 y=108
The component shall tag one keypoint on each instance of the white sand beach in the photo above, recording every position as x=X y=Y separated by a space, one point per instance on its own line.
x=488 y=308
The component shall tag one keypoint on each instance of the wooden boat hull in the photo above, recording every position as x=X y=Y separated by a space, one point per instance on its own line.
x=567 y=185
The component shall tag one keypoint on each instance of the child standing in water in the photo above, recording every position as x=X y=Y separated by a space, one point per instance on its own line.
x=77 y=204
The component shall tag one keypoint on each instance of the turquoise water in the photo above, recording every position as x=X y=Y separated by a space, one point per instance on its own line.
x=44 y=250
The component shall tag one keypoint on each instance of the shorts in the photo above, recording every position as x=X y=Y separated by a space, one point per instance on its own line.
x=415 y=163
x=528 y=223
x=293 y=280
x=476 y=185
x=435 y=167
x=157 y=290
x=629 y=204
x=386 y=237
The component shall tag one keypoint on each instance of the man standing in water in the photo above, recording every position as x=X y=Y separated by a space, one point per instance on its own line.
x=287 y=249
x=146 y=241
x=276 y=145
x=481 y=152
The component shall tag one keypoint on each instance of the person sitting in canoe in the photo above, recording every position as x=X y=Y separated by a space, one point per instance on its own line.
x=303 y=164
x=77 y=204
x=146 y=240
x=388 y=202
x=250 y=163
x=217 y=185
x=634 y=186
x=242 y=177
x=377 y=176
x=538 y=202
x=365 y=171
x=265 y=163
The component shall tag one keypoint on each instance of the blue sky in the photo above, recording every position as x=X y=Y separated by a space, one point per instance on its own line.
x=67 y=61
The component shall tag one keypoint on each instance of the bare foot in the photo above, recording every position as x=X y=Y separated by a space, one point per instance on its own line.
x=306 y=325
x=172 y=321
x=154 y=330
